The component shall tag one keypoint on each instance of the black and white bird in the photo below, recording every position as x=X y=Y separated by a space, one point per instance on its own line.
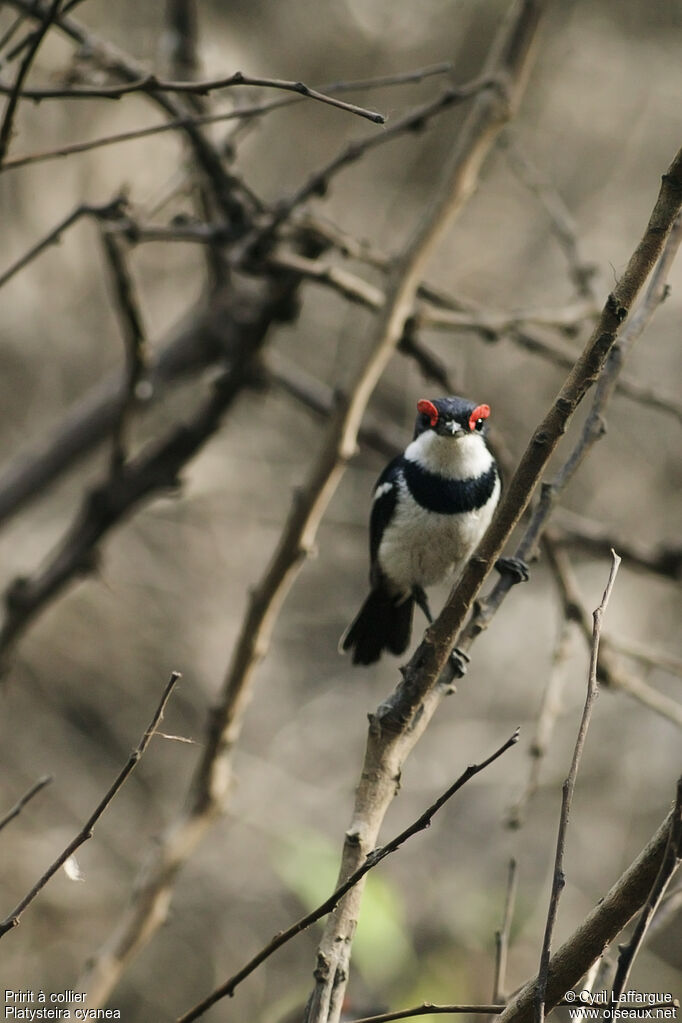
x=431 y=506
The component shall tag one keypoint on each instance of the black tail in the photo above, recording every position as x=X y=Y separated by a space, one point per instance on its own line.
x=381 y=624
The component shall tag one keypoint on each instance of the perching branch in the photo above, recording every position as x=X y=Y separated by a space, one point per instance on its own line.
x=392 y=735
x=86 y=831
x=373 y=858
x=615 y=333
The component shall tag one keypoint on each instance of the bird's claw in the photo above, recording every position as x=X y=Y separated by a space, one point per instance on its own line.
x=515 y=567
x=459 y=661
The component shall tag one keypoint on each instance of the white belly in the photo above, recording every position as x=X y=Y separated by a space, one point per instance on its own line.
x=421 y=548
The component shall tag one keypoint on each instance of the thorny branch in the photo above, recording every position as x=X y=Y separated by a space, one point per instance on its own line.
x=13 y=919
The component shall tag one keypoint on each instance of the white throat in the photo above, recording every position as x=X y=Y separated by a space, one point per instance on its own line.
x=464 y=456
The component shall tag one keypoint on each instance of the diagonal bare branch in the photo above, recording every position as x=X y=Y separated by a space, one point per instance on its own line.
x=14 y=918
x=26 y=798
x=375 y=857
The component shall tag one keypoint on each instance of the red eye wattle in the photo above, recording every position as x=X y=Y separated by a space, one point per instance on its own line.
x=427 y=408
x=480 y=412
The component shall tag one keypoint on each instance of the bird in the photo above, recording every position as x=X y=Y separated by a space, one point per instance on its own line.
x=431 y=506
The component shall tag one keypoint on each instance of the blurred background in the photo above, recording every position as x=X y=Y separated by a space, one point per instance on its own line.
x=599 y=125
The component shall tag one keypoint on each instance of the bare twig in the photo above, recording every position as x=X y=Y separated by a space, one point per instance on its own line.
x=87 y=830
x=558 y=879
x=415 y=119
x=430 y=1008
x=134 y=338
x=232 y=200
x=671 y=861
x=563 y=225
x=502 y=936
x=611 y=671
x=596 y=932
x=106 y=211
x=550 y=710
x=24 y=68
x=26 y=798
x=151 y=84
x=154 y=470
x=373 y=858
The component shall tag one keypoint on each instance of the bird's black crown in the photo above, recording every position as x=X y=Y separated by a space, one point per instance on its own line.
x=450 y=417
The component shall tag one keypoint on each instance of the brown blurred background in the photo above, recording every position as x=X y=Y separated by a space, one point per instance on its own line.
x=601 y=122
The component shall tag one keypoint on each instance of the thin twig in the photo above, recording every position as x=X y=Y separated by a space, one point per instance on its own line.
x=430 y=1008
x=671 y=861
x=106 y=211
x=587 y=943
x=86 y=831
x=372 y=859
x=410 y=122
x=24 y=68
x=231 y=198
x=611 y=672
x=151 y=84
x=415 y=119
x=502 y=936
x=558 y=879
x=550 y=709
x=26 y=798
x=155 y=469
x=563 y=225
x=134 y=339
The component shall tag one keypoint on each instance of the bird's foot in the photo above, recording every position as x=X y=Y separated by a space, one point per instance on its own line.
x=515 y=567
x=460 y=662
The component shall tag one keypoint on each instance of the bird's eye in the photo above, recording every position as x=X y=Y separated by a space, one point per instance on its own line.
x=478 y=417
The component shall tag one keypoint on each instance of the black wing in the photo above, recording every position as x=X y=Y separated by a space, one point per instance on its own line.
x=383 y=506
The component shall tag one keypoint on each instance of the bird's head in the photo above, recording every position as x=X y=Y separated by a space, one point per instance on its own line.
x=450 y=417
